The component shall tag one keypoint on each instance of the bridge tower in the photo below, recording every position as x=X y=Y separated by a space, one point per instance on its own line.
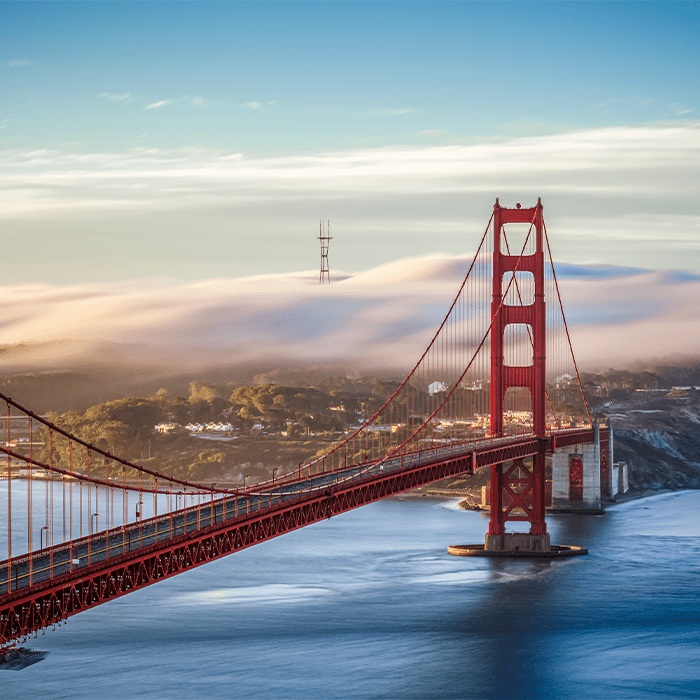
x=518 y=488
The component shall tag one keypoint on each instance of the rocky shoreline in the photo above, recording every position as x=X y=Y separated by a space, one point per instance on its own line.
x=659 y=438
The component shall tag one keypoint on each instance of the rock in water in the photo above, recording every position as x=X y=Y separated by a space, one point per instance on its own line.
x=16 y=659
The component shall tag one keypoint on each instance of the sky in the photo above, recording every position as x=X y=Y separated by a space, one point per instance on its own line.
x=163 y=147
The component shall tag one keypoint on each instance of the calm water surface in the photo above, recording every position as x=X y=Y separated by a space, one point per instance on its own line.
x=370 y=605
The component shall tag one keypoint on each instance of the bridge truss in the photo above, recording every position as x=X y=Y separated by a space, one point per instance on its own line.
x=479 y=396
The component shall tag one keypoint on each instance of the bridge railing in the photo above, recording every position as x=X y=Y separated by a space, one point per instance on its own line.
x=129 y=539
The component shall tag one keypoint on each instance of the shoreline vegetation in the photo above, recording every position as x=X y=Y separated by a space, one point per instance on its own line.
x=217 y=430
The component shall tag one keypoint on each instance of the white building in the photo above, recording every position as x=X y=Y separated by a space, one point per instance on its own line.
x=437 y=387
x=166 y=427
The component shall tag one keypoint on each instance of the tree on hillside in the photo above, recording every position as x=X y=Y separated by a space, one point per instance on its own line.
x=179 y=409
x=124 y=427
x=199 y=391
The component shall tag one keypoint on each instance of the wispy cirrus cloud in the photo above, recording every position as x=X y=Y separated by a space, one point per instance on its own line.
x=161 y=103
x=658 y=162
x=18 y=63
x=679 y=109
x=185 y=100
x=116 y=96
x=628 y=101
x=259 y=106
x=663 y=110
x=388 y=112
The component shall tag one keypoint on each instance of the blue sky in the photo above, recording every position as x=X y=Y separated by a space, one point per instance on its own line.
x=164 y=166
x=266 y=77
x=185 y=143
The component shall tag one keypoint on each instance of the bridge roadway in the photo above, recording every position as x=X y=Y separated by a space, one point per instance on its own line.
x=44 y=584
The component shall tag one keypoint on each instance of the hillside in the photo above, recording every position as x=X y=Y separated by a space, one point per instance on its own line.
x=658 y=435
x=654 y=411
x=278 y=419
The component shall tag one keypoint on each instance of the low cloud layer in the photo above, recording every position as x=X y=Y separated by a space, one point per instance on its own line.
x=617 y=195
x=383 y=317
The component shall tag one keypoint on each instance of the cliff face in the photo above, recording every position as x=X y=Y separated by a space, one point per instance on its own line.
x=658 y=435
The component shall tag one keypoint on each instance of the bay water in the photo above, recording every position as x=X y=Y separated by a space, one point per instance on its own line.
x=370 y=605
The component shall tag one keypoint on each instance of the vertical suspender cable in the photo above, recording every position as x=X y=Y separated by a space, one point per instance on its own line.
x=9 y=505
x=30 y=479
x=566 y=327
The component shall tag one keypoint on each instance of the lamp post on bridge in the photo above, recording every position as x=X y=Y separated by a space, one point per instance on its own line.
x=41 y=536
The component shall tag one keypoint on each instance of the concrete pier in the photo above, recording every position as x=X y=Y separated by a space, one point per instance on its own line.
x=556 y=551
x=518 y=542
x=576 y=476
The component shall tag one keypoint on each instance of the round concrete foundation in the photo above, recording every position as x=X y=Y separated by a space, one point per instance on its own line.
x=557 y=551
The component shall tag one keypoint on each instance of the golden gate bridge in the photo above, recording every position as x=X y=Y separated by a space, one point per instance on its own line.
x=83 y=526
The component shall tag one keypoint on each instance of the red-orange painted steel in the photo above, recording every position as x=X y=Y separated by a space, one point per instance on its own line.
x=504 y=376
x=45 y=603
x=575 y=479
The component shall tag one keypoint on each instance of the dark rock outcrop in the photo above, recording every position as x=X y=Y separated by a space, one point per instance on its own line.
x=659 y=438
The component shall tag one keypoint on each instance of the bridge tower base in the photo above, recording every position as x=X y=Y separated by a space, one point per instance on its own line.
x=555 y=551
x=518 y=542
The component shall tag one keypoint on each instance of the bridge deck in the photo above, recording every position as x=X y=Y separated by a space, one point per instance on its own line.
x=52 y=584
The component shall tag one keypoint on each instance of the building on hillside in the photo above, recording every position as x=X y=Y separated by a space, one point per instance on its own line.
x=166 y=427
x=437 y=387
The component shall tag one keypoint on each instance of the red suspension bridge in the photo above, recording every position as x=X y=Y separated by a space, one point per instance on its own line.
x=83 y=526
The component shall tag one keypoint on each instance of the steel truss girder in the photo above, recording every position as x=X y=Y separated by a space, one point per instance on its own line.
x=56 y=600
x=518 y=499
x=576 y=437
x=47 y=603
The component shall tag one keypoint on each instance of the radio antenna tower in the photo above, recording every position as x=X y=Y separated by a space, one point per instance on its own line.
x=325 y=271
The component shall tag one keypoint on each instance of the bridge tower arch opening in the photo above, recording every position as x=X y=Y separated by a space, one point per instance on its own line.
x=518 y=487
